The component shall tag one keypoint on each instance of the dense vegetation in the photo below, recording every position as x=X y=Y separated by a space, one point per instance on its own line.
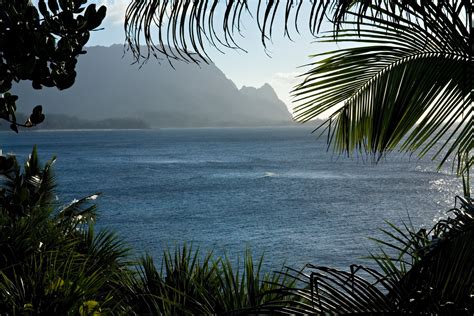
x=53 y=262
x=42 y=49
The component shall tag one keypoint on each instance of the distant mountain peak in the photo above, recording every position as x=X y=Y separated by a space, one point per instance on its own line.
x=266 y=85
x=108 y=86
x=268 y=90
x=250 y=88
x=264 y=92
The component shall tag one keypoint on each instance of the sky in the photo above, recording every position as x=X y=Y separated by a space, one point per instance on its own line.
x=279 y=65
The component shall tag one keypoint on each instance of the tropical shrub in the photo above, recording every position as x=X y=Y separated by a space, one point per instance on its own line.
x=50 y=259
x=191 y=284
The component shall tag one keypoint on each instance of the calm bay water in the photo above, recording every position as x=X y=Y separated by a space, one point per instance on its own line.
x=273 y=190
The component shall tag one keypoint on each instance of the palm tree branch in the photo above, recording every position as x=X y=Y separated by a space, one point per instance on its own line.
x=316 y=90
x=183 y=25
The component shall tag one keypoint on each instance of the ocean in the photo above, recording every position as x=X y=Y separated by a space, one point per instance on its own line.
x=275 y=191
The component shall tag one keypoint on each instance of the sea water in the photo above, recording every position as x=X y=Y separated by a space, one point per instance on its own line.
x=276 y=191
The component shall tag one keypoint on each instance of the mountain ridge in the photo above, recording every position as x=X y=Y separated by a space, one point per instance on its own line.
x=109 y=86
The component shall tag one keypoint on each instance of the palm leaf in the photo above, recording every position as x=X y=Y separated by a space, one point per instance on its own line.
x=439 y=276
x=409 y=85
x=29 y=191
x=323 y=290
x=184 y=28
x=78 y=212
x=50 y=283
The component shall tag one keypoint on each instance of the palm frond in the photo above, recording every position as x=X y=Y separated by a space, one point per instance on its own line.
x=28 y=191
x=323 y=290
x=50 y=283
x=78 y=212
x=105 y=251
x=182 y=29
x=182 y=286
x=439 y=272
x=189 y=283
x=409 y=85
x=47 y=264
x=246 y=288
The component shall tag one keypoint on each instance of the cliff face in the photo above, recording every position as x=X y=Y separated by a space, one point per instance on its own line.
x=109 y=86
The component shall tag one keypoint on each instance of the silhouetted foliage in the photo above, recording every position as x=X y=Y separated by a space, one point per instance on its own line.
x=41 y=44
x=51 y=261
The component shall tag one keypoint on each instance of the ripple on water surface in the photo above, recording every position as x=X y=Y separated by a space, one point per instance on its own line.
x=275 y=190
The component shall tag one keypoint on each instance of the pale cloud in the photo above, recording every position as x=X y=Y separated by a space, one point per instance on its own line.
x=283 y=83
x=115 y=10
x=286 y=78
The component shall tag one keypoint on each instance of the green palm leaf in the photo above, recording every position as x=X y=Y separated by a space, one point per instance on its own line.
x=409 y=85
x=78 y=212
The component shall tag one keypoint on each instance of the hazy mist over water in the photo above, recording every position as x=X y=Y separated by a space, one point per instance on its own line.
x=274 y=190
